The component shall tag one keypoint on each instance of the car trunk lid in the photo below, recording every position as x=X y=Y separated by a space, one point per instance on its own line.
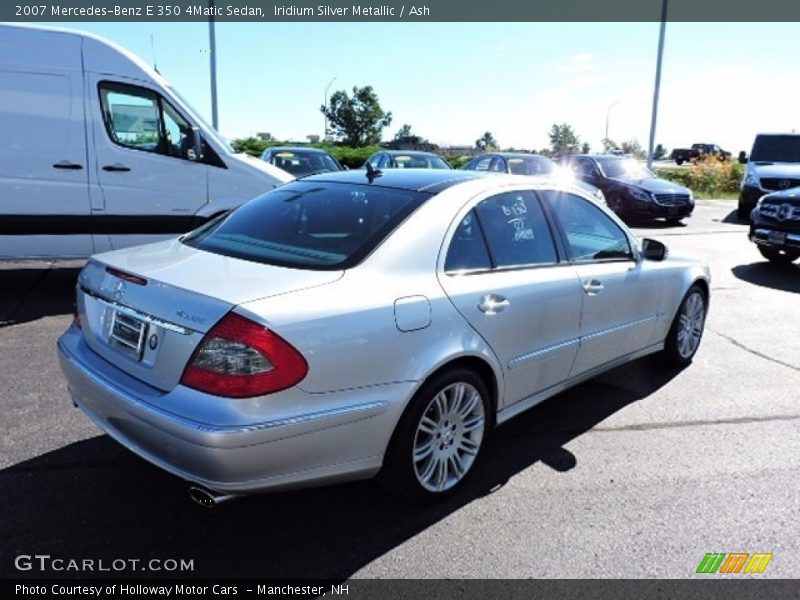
x=146 y=309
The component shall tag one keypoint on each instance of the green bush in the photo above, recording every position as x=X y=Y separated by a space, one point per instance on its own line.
x=707 y=179
x=353 y=158
x=456 y=160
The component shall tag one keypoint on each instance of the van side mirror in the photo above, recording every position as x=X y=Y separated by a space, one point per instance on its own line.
x=195 y=152
x=742 y=157
x=653 y=249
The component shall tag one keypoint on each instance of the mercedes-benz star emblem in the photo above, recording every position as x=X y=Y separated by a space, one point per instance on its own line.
x=784 y=184
x=784 y=212
x=119 y=290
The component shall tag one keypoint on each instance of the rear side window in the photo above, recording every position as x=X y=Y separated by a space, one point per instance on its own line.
x=310 y=225
x=467 y=251
x=516 y=230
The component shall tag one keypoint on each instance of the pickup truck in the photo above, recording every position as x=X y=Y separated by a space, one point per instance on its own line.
x=699 y=152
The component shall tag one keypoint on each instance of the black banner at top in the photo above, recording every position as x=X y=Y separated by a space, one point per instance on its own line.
x=400 y=10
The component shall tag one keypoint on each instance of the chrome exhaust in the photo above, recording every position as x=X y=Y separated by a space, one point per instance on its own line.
x=208 y=498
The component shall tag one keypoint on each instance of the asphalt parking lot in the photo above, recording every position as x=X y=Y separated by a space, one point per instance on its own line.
x=636 y=474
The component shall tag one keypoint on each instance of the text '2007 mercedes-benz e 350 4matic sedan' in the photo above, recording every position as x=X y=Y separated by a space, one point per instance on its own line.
x=351 y=324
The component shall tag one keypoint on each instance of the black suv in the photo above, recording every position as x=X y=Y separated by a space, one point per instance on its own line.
x=774 y=166
x=775 y=226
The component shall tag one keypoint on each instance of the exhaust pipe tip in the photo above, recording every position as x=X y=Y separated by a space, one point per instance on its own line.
x=208 y=498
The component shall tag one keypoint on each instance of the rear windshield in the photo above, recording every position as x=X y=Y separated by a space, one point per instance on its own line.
x=531 y=165
x=309 y=225
x=301 y=164
x=776 y=148
x=419 y=161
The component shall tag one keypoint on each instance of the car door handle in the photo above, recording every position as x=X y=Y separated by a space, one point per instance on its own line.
x=116 y=167
x=65 y=164
x=491 y=304
x=593 y=287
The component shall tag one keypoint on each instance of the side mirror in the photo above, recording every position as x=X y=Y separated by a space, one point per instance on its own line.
x=195 y=152
x=653 y=249
x=742 y=157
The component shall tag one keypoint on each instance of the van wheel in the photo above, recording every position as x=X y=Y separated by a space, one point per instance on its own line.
x=439 y=438
x=684 y=335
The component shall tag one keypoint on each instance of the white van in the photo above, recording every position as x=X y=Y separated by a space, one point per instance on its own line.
x=98 y=152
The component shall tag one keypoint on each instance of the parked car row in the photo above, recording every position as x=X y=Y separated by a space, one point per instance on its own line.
x=629 y=189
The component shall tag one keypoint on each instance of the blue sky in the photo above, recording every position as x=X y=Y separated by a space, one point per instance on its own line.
x=721 y=82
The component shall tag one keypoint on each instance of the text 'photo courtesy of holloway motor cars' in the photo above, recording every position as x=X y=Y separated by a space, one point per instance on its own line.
x=367 y=323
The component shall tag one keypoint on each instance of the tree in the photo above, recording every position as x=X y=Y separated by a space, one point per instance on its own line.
x=251 y=145
x=486 y=142
x=563 y=139
x=403 y=133
x=586 y=148
x=634 y=148
x=659 y=152
x=609 y=145
x=357 y=120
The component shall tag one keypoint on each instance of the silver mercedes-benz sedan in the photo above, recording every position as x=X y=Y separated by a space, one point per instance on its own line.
x=353 y=324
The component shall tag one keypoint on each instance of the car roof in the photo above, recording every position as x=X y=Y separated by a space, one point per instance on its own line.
x=408 y=153
x=297 y=149
x=427 y=180
x=514 y=154
x=615 y=156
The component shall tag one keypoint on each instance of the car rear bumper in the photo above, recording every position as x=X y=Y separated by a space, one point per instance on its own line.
x=318 y=445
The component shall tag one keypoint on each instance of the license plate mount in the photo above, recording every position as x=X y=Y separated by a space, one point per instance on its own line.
x=127 y=333
x=777 y=238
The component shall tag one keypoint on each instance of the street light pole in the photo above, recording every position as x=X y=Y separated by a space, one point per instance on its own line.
x=325 y=104
x=658 y=84
x=608 y=114
x=212 y=40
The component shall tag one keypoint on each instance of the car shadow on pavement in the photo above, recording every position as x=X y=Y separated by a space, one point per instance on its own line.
x=733 y=218
x=94 y=499
x=778 y=277
x=654 y=224
x=32 y=293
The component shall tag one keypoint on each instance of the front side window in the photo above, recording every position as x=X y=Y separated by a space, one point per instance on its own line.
x=139 y=118
x=591 y=234
x=516 y=230
x=311 y=225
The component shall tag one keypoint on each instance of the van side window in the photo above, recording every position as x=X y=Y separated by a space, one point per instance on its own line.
x=139 y=118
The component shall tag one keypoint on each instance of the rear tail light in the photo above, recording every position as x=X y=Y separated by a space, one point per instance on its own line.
x=239 y=358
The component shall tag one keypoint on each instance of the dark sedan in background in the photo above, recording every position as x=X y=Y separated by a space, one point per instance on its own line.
x=301 y=161
x=631 y=190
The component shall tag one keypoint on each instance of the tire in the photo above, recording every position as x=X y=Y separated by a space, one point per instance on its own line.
x=779 y=257
x=439 y=438
x=742 y=213
x=679 y=161
x=616 y=204
x=674 y=220
x=686 y=331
